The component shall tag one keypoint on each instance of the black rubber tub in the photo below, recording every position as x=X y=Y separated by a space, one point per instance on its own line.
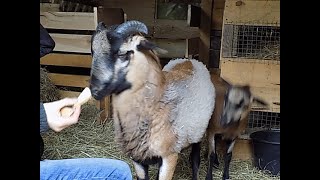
x=266 y=150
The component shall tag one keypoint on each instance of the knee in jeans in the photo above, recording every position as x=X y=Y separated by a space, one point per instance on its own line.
x=124 y=166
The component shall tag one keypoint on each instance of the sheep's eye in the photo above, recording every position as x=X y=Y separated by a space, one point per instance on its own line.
x=239 y=104
x=124 y=55
x=121 y=54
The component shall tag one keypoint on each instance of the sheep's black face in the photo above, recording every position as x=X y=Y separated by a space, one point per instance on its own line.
x=108 y=70
x=109 y=63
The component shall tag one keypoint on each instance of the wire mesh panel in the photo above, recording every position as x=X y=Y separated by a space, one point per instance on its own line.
x=259 y=120
x=251 y=42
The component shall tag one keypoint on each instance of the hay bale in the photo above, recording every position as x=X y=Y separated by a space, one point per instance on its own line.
x=90 y=139
x=48 y=91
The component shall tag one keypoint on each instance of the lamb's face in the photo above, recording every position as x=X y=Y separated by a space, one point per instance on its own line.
x=237 y=104
x=112 y=52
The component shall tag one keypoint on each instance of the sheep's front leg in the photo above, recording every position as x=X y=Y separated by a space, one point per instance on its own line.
x=212 y=155
x=141 y=171
x=168 y=167
x=227 y=158
x=195 y=160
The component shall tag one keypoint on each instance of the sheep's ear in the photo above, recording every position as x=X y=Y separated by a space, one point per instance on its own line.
x=260 y=101
x=147 y=45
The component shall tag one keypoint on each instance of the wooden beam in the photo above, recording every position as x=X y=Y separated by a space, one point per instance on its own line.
x=73 y=60
x=105 y=104
x=252 y=12
x=260 y=74
x=174 y=29
x=194 y=15
x=175 y=48
x=46 y=7
x=217 y=19
x=172 y=11
x=140 y=10
x=69 y=80
x=67 y=20
x=242 y=149
x=193 y=46
x=72 y=43
x=81 y=44
x=219 y=4
x=205 y=28
x=110 y=16
x=263 y=77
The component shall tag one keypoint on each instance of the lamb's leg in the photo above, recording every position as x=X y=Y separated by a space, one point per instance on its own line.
x=168 y=167
x=227 y=158
x=141 y=171
x=195 y=160
x=212 y=155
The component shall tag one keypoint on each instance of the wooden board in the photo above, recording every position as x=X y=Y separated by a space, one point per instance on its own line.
x=219 y=4
x=141 y=10
x=242 y=149
x=69 y=80
x=73 y=60
x=174 y=29
x=106 y=105
x=262 y=76
x=45 y=7
x=217 y=19
x=175 y=48
x=193 y=46
x=82 y=44
x=68 y=20
x=110 y=16
x=72 y=43
x=252 y=12
x=271 y=95
x=173 y=11
x=205 y=28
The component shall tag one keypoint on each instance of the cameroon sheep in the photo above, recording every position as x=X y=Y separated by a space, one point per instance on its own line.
x=230 y=117
x=157 y=113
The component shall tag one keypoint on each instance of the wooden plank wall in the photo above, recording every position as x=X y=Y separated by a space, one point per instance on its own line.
x=216 y=34
x=72 y=49
x=262 y=75
x=169 y=34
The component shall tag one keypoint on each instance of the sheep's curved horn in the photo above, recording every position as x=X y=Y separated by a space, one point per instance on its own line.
x=131 y=27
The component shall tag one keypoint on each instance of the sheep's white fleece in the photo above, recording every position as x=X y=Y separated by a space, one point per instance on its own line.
x=194 y=103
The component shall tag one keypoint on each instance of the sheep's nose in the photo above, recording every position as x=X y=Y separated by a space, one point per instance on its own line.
x=94 y=92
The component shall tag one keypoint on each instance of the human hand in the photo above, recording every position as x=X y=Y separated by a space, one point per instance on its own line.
x=57 y=122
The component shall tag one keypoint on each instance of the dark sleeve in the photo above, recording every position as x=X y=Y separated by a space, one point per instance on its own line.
x=47 y=44
x=43 y=119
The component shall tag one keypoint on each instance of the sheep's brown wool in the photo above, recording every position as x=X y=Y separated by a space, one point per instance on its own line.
x=230 y=117
x=160 y=111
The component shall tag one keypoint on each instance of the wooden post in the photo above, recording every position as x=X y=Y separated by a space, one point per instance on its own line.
x=205 y=28
x=105 y=106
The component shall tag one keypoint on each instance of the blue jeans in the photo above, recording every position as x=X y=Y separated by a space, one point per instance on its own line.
x=85 y=168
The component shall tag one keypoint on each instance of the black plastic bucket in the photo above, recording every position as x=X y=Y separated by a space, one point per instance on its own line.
x=266 y=150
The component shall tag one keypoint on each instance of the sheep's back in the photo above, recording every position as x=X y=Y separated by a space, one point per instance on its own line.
x=192 y=95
